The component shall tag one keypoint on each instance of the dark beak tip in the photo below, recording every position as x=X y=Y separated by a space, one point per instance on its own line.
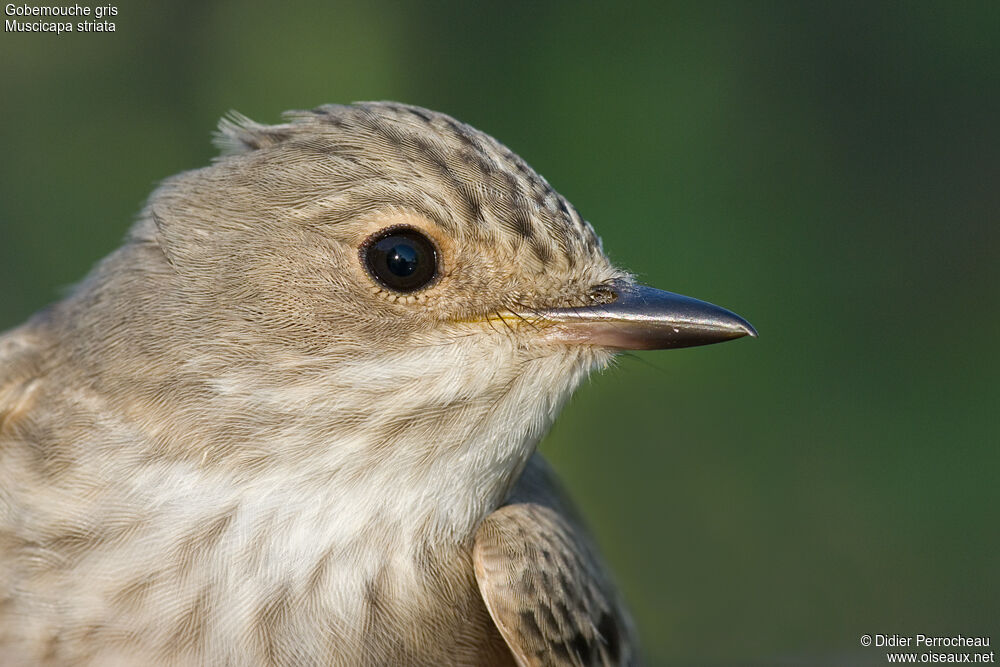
x=666 y=320
x=748 y=330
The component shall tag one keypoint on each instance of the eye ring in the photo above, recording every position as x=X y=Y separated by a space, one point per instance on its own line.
x=400 y=258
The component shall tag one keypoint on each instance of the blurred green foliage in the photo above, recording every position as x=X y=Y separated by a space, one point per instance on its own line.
x=828 y=170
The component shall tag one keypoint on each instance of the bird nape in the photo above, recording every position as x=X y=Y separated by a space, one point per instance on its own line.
x=292 y=420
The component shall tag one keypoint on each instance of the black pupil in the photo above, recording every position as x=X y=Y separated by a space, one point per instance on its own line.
x=402 y=259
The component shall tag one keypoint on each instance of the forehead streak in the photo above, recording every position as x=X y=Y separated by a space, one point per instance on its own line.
x=490 y=194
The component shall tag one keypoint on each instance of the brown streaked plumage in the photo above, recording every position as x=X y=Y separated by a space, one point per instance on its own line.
x=238 y=441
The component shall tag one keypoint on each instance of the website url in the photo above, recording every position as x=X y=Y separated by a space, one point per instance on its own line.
x=953 y=658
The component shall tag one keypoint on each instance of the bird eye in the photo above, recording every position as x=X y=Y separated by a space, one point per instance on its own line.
x=401 y=258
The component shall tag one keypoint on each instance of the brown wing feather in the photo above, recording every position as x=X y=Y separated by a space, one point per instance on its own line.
x=547 y=591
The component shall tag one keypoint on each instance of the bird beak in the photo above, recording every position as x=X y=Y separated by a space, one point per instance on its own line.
x=643 y=318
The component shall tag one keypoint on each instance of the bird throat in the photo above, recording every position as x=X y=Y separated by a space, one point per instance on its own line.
x=424 y=441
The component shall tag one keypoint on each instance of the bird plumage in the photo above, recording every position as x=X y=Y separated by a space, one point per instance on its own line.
x=229 y=445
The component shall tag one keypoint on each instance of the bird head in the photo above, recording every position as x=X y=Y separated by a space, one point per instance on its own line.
x=384 y=226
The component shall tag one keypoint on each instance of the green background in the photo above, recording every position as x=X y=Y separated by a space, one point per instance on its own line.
x=829 y=171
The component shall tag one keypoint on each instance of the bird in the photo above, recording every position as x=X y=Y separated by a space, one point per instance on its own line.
x=293 y=418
